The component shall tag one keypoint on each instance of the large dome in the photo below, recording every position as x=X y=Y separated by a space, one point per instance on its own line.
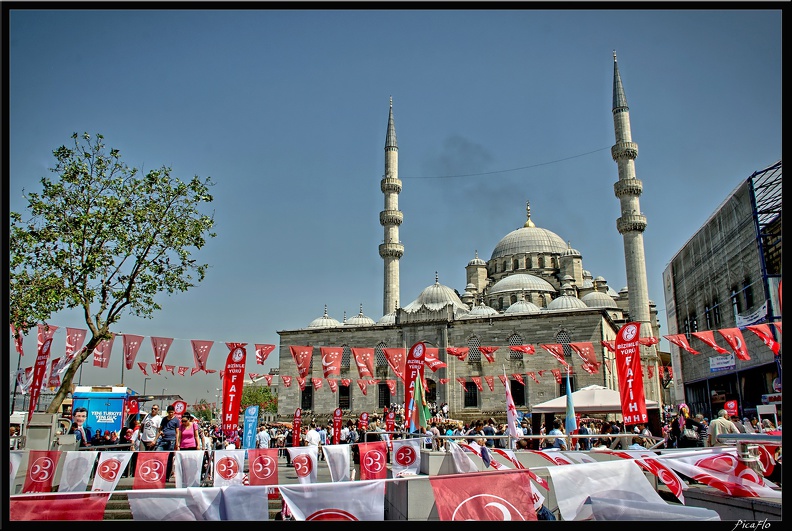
x=565 y=302
x=522 y=307
x=529 y=240
x=360 y=319
x=436 y=297
x=521 y=282
x=597 y=299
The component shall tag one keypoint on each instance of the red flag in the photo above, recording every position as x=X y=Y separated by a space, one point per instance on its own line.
x=44 y=346
x=414 y=373
x=101 y=354
x=648 y=341
x=233 y=381
x=525 y=349
x=364 y=359
x=302 y=357
x=498 y=496
x=487 y=352
x=296 y=424
x=263 y=466
x=268 y=378
x=170 y=369
x=331 y=360
x=262 y=351
x=735 y=340
x=557 y=350
x=459 y=352
x=556 y=374
x=41 y=470
x=362 y=385
x=133 y=406
x=142 y=366
x=462 y=381
x=628 y=368
x=18 y=337
x=131 y=346
x=287 y=380
x=317 y=383
x=54 y=378
x=585 y=351
x=490 y=382
x=391 y=386
x=301 y=383
x=444 y=381
x=82 y=506
x=156 y=369
x=333 y=384
x=608 y=345
x=532 y=376
x=396 y=360
x=477 y=381
x=681 y=341
x=708 y=337
x=201 y=350
x=650 y=368
x=764 y=333
x=431 y=359
x=373 y=460
x=161 y=345
x=150 y=470
x=338 y=419
x=182 y=370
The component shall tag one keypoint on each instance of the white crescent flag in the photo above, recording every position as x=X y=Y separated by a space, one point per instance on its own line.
x=76 y=472
x=171 y=505
x=109 y=469
x=305 y=462
x=345 y=501
x=338 y=460
x=187 y=468
x=462 y=463
x=229 y=467
x=406 y=458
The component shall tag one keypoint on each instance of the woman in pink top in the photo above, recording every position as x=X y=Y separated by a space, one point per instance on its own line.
x=190 y=433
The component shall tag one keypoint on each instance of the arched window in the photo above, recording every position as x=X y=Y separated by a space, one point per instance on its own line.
x=541 y=261
x=516 y=264
x=379 y=355
x=504 y=265
x=384 y=395
x=513 y=299
x=471 y=394
x=500 y=303
x=515 y=339
x=563 y=338
x=474 y=354
x=346 y=358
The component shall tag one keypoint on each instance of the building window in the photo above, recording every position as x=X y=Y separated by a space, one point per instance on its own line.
x=474 y=354
x=736 y=300
x=504 y=267
x=471 y=394
x=748 y=293
x=693 y=323
x=708 y=317
x=562 y=385
x=541 y=261
x=516 y=264
x=379 y=356
x=306 y=402
x=716 y=314
x=500 y=303
x=513 y=299
x=344 y=396
x=346 y=358
x=518 y=393
x=384 y=395
x=563 y=338
x=515 y=339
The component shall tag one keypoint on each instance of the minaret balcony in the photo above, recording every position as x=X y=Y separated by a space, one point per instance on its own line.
x=392 y=250
x=390 y=184
x=631 y=187
x=624 y=150
x=631 y=223
x=391 y=217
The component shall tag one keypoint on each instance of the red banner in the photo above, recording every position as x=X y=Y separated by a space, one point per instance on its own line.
x=317 y=383
x=333 y=384
x=262 y=351
x=287 y=380
x=708 y=337
x=41 y=469
x=477 y=381
x=233 y=381
x=78 y=506
x=363 y=422
x=488 y=351
x=391 y=386
x=681 y=341
x=161 y=346
x=302 y=357
x=525 y=349
x=44 y=346
x=458 y=352
x=628 y=368
x=373 y=460
x=201 y=350
x=263 y=466
x=150 y=470
x=557 y=350
x=131 y=346
x=364 y=359
x=764 y=333
x=532 y=376
x=331 y=360
x=499 y=496
x=101 y=354
x=432 y=360
x=363 y=386
x=296 y=427
x=490 y=380
x=396 y=360
x=735 y=340
x=338 y=418
x=414 y=369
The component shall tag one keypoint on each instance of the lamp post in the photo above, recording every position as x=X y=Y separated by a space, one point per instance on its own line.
x=145 y=381
x=163 y=394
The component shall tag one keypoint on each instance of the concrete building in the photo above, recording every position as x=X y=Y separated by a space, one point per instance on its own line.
x=729 y=275
x=532 y=290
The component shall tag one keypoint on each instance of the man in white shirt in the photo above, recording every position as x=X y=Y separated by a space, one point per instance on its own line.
x=344 y=435
x=312 y=438
x=149 y=428
x=262 y=437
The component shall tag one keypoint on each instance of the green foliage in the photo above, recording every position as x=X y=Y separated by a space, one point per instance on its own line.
x=203 y=413
x=103 y=239
x=260 y=395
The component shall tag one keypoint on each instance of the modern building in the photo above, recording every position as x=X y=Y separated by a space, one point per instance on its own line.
x=728 y=275
x=533 y=290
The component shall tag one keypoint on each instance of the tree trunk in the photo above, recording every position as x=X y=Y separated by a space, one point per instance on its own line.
x=68 y=376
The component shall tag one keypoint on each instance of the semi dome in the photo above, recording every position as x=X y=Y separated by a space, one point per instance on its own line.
x=387 y=319
x=436 y=297
x=529 y=239
x=521 y=282
x=565 y=302
x=481 y=310
x=597 y=299
x=522 y=307
x=324 y=321
x=360 y=319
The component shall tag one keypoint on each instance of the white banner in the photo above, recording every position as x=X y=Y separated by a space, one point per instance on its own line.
x=187 y=468
x=338 y=460
x=347 y=500
x=108 y=471
x=77 y=467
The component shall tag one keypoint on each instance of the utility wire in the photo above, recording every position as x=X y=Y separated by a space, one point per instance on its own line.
x=513 y=169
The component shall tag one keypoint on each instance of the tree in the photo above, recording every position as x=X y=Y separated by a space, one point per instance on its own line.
x=105 y=240
x=261 y=396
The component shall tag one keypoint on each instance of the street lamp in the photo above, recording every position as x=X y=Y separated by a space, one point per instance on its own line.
x=145 y=381
x=163 y=394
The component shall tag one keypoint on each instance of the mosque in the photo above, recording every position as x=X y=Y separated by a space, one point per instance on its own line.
x=532 y=291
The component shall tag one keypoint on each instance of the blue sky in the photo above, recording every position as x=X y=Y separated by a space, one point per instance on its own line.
x=287 y=110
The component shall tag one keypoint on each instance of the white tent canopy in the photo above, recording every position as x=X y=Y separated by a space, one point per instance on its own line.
x=590 y=399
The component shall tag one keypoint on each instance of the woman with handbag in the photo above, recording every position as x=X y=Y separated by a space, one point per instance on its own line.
x=684 y=429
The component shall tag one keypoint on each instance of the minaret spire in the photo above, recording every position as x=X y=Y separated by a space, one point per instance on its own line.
x=528 y=222
x=632 y=223
x=391 y=250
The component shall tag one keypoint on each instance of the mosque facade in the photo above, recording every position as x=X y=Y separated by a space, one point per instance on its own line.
x=533 y=290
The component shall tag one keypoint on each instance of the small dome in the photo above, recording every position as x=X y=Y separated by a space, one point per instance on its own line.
x=521 y=282
x=481 y=310
x=587 y=274
x=360 y=319
x=624 y=291
x=587 y=283
x=387 y=319
x=565 y=302
x=597 y=299
x=612 y=293
x=522 y=307
x=570 y=251
x=436 y=297
x=470 y=287
x=477 y=261
x=599 y=279
x=566 y=285
x=568 y=278
x=324 y=321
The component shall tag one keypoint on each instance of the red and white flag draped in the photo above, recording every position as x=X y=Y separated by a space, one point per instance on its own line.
x=75 y=337
x=477 y=380
x=262 y=351
x=40 y=470
x=557 y=350
x=317 y=383
x=490 y=381
x=391 y=386
x=373 y=460
x=708 y=337
x=305 y=462
x=585 y=351
x=648 y=461
x=628 y=368
x=333 y=384
x=345 y=501
x=101 y=354
x=735 y=339
x=150 y=470
x=331 y=361
x=681 y=341
x=73 y=507
x=132 y=345
x=233 y=381
x=287 y=380
x=396 y=359
x=109 y=469
x=488 y=352
x=200 y=350
x=483 y=496
x=205 y=504
x=40 y=368
x=432 y=360
x=406 y=457
x=302 y=357
x=263 y=466
x=229 y=467
x=364 y=360
x=525 y=349
x=458 y=352
x=764 y=333
x=301 y=383
x=18 y=338
x=161 y=346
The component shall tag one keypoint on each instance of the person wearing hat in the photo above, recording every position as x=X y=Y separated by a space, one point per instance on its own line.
x=190 y=433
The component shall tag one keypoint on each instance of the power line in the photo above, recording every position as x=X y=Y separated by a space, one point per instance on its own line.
x=513 y=169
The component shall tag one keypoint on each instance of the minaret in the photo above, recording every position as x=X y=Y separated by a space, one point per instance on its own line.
x=632 y=222
x=391 y=250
